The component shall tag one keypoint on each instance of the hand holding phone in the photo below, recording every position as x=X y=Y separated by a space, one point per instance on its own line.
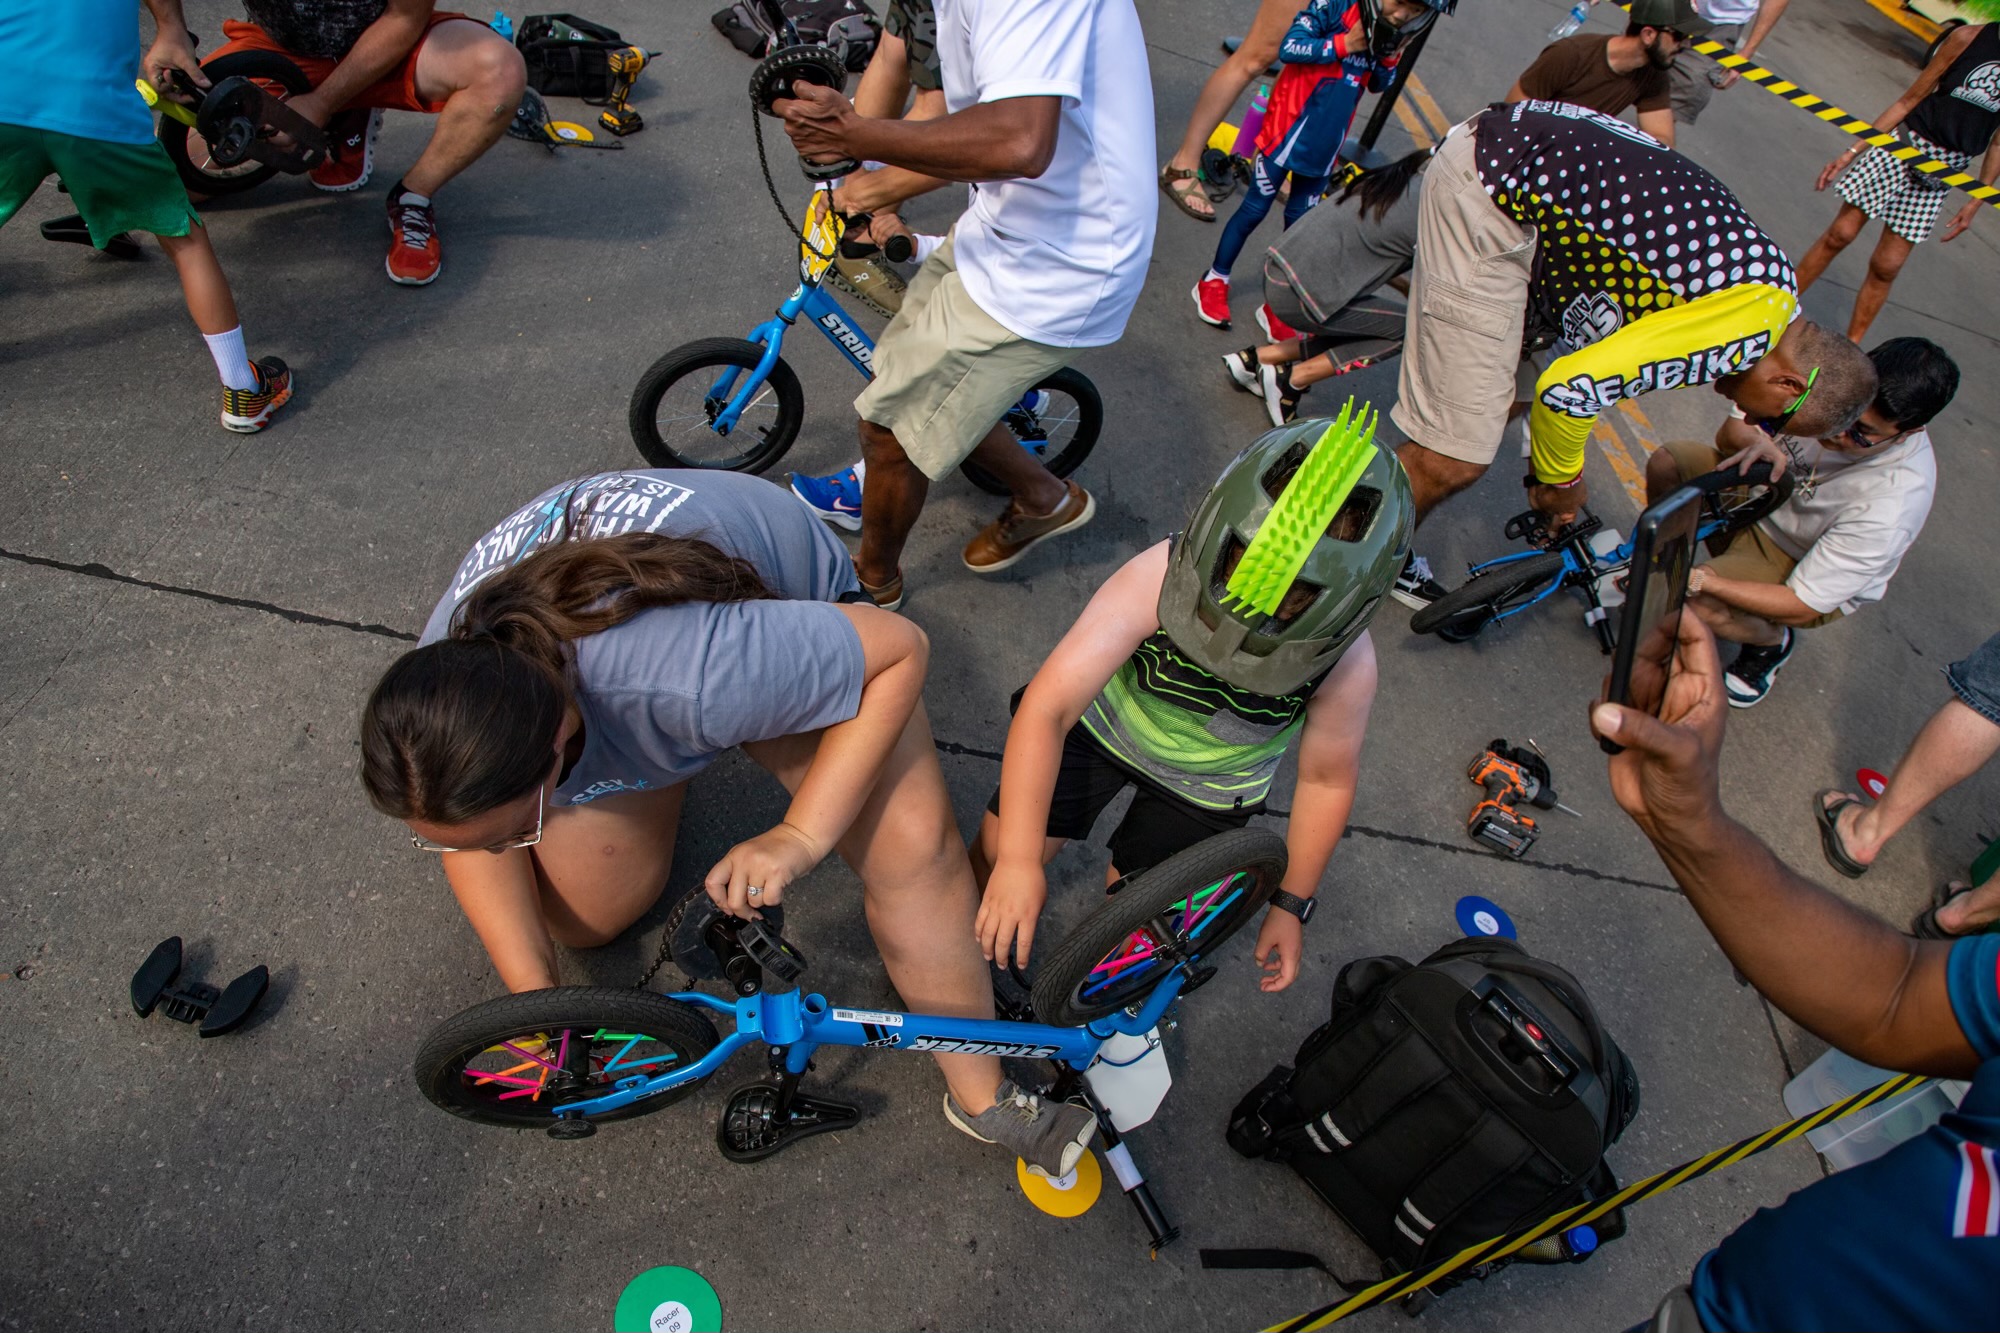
x=1663 y=552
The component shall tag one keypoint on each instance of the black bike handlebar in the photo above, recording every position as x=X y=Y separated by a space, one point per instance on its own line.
x=1735 y=517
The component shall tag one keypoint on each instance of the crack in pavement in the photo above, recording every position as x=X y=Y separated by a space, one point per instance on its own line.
x=97 y=571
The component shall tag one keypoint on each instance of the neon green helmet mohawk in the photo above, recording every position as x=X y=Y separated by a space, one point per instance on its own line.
x=1284 y=562
x=1304 y=511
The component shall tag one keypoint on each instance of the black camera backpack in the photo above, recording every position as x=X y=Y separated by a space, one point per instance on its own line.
x=569 y=56
x=1450 y=1102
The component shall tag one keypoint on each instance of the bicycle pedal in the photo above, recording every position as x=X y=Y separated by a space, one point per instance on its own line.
x=157 y=984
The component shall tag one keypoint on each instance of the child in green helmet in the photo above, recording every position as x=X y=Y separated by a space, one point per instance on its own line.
x=1191 y=673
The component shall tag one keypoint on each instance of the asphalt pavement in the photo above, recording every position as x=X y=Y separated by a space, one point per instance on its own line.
x=194 y=618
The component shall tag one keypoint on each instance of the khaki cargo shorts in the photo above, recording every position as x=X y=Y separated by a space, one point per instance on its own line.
x=1751 y=555
x=946 y=371
x=1468 y=300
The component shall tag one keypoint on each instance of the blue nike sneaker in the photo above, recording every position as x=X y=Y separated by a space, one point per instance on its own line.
x=835 y=497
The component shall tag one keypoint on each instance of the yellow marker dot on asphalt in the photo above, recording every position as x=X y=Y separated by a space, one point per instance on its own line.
x=1058 y=1199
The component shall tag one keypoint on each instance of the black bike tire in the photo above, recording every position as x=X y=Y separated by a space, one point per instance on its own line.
x=459 y=1038
x=232 y=65
x=1145 y=897
x=1494 y=590
x=1090 y=423
x=705 y=354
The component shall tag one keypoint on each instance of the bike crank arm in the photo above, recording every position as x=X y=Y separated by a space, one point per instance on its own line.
x=239 y=120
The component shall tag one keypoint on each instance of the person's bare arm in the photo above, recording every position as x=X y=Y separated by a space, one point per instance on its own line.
x=1659 y=124
x=1775 y=602
x=1846 y=976
x=1926 y=81
x=381 y=47
x=1329 y=772
x=1768 y=15
x=1989 y=171
x=1116 y=621
x=498 y=895
x=843 y=771
x=172 y=48
x=1011 y=139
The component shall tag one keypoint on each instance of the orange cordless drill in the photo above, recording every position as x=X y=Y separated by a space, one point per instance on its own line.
x=1509 y=775
x=619 y=117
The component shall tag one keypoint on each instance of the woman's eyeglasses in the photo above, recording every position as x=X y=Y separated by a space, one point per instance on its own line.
x=514 y=843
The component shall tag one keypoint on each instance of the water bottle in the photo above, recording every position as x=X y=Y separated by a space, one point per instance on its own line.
x=502 y=24
x=1565 y=1247
x=1253 y=121
x=1578 y=12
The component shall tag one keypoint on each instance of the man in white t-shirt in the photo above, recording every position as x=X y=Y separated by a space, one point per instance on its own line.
x=1858 y=502
x=1051 y=123
x=1695 y=78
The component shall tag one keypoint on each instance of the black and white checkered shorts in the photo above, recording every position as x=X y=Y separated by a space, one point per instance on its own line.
x=1906 y=200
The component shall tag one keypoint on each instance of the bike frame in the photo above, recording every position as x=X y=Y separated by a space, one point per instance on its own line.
x=1583 y=567
x=799 y=1024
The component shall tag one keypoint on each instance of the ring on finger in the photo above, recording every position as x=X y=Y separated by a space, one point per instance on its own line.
x=754 y=890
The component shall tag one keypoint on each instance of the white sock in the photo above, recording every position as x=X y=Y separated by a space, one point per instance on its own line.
x=927 y=245
x=861 y=472
x=231 y=361
x=1213 y=276
x=407 y=195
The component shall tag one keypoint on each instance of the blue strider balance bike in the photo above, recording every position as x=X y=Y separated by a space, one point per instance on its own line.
x=733 y=403
x=566 y=1059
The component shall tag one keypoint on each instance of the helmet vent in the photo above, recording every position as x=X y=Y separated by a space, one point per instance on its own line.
x=1356 y=515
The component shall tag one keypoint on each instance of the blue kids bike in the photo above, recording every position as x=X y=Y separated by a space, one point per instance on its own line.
x=1569 y=558
x=567 y=1059
x=733 y=403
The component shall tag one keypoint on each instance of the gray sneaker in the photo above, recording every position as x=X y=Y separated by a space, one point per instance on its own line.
x=1051 y=1137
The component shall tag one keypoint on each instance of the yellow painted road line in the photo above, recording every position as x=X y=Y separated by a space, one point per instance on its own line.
x=1908 y=18
x=1433 y=113
x=1414 y=123
x=1631 y=473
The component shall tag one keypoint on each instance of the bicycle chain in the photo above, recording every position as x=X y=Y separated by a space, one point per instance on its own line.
x=660 y=961
x=764 y=165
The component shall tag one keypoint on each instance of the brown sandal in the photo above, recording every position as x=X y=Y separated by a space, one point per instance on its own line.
x=1171 y=178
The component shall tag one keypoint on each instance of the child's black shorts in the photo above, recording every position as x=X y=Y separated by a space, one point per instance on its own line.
x=1158 y=824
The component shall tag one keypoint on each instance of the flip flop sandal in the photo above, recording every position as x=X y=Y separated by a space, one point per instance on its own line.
x=1829 y=832
x=1170 y=175
x=1925 y=924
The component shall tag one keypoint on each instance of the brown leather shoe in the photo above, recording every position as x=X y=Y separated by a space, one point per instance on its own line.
x=888 y=596
x=1012 y=535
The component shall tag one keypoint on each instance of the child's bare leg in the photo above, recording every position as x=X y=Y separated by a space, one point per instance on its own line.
x=202 y=281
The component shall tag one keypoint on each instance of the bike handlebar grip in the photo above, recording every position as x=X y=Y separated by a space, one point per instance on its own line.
x=900 y=248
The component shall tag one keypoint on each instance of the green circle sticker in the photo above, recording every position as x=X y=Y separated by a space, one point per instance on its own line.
x=668 y=1300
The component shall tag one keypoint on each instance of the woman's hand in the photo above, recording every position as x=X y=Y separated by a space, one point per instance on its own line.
x=768 y=863
x=1015 y=892
x=1961 y=220
x=1832 y=169
x=1279 y=945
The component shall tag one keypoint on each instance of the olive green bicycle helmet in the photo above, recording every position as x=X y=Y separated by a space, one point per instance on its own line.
x=1317 y=506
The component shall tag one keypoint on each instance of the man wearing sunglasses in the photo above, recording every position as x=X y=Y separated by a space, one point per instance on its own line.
x=1858 y=501
x=1609 y=73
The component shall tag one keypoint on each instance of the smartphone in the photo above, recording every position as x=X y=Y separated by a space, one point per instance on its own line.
x=1663 y=552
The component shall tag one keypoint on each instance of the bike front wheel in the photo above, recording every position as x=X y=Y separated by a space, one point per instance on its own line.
x=674 y=409
x=188 y=151
x=1180 y=911
x=1057 y=421
x=518 y=1060
x=1463 y=612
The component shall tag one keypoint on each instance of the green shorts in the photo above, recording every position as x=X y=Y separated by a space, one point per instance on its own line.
x=116 y=186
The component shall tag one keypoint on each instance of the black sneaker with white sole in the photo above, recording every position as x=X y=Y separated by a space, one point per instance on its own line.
x=1749 y=677
x=1281 y=397
x=1242 y=367
x=1414 y=587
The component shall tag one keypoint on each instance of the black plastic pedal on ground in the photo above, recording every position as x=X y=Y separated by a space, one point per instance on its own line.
x=156 y=985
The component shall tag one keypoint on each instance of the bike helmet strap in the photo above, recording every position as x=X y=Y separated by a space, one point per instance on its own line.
x=1314 y=508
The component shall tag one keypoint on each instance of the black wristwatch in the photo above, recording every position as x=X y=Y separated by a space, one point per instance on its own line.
x=1302 y=908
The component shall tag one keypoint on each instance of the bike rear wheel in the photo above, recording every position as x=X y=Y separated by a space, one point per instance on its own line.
x=517 y=1060
x=673 y=411
x=277 y=76
x=1181 y=910
x=1060 y=427
x=1463 y=612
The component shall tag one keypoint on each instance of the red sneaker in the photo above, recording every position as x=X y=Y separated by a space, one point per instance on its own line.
x=1274 y=328
x=1211 y=301
x=414 y=253
x=352 y=160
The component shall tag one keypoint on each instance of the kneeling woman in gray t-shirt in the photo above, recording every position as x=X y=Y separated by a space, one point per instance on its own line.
x=604 y=644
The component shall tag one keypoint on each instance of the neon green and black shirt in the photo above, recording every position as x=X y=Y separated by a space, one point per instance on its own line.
x=1648 y=272
x=1192 y=732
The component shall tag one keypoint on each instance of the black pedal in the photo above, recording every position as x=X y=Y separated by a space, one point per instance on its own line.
x=156 y=985
x=782 y=965
x=73 y=230
x=760 y=1120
